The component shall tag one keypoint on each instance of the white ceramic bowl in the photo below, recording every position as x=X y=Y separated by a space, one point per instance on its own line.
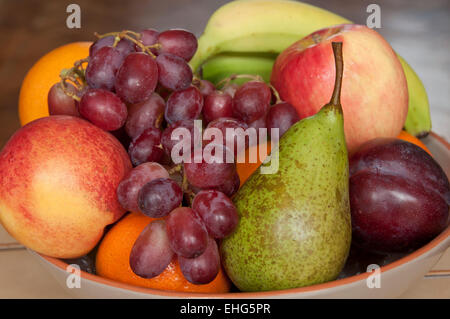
x=395 y=277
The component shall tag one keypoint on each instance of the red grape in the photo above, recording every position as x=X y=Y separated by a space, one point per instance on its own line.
x=128 y=189
x=168 y=142
x=184 y=105
x=188 y=236
x=100 y=43
x=230 y=89
x=162 y=91
x=258 y=125
x=174 y=73
x=282 y=116
x=204 y=268
x=159 y=197
x=217 y=105
x=144 y=115
x=151 y=253
x=236 y=138
x=217 y=212
x=212 y=174
x=102 y=68
x=178 y=42
x=146 y=147
x=205 y=87
x=231 y=186
x=136 y=78
x=103 y=108
x=122 y=136
x=148 y=37
x=251 y=101
x=59 y=103
x=124 y=46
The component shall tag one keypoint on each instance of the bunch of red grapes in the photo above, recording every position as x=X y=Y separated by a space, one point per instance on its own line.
x=140 y=85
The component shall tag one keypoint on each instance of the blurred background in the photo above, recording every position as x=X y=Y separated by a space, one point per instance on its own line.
x=418 y=30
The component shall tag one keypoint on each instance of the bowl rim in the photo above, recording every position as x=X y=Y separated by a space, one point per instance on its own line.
x=262 y=294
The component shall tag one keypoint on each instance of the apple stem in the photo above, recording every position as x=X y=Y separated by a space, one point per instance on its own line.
x=338 y=59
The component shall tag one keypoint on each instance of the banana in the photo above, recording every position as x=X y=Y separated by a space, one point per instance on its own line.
x=418 y=121
x=260 y=26
x=238 y=32
x=223 y=65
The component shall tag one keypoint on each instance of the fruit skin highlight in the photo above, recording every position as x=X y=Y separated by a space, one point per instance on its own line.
x=113 y=256
x=58 y=181
x=41 y=77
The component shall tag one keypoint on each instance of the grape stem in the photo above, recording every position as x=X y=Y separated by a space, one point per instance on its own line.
x=131 y=36
x=275 y=92
x=175 y=169
x=66 y=92
x=233 y=77
x=226 y=81
x=190 y=196
x=185 y=183
x=186 y=189
x=196 y=81
x=76 y=75
x=159 y=120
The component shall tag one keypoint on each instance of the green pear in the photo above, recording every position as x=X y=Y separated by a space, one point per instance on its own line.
x=295 y=225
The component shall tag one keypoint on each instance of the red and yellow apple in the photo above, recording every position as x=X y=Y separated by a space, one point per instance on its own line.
x=58 y=180
x=374 y=94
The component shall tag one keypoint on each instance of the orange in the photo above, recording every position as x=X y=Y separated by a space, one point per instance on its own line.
x=113 y=255
x=42 y=75
x=246 y=169
x=412 y=139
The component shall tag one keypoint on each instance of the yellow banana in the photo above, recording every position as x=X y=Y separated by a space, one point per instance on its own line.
x=260 y=26
x=241 y=30
x=418 y=121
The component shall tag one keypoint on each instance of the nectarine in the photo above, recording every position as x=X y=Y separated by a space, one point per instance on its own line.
x=58 y=180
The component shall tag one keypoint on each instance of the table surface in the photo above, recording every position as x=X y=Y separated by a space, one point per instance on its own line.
x=417 y=30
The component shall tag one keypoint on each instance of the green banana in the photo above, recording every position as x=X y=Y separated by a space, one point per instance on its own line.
x=240 y=31
x=224 y=65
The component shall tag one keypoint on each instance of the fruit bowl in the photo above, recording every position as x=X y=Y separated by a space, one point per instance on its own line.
x=397 y=272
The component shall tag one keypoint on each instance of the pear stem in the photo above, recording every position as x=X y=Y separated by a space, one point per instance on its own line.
x=337 y=51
